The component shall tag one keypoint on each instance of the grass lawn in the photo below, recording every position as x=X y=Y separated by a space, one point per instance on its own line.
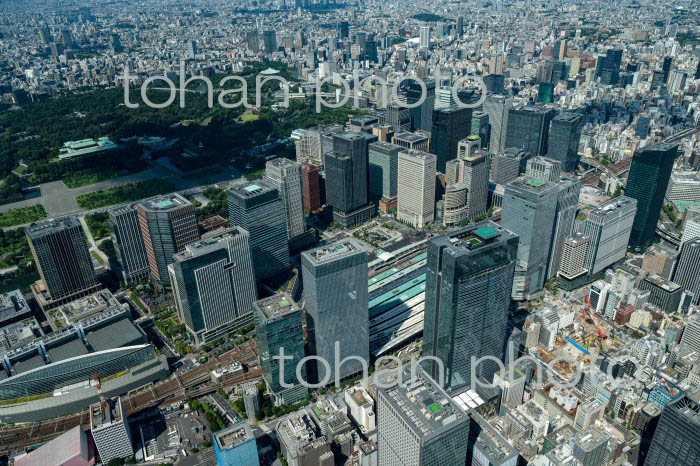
x=124 y=193
x=20 y=170
x=87 y=177
x=22 y=215
x=247 y=117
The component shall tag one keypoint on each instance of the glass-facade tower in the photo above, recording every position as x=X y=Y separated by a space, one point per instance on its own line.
x=469 y=278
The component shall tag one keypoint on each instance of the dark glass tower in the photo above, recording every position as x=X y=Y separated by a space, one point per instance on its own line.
x=421 y=116
x=278 y=325
x=450 y=125
x=648 y=179
x=676 y=438
x=564 y=137
x=469 y=278
x=257 y=207
x=528 y=129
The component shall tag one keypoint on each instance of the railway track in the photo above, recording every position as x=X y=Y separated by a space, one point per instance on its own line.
x=173 y=390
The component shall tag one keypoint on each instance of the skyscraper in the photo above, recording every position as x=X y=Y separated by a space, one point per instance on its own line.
x=449 y=126
x=60 y=251
x=191 y=52
x=543 y=169
x=257 y=208
x=278 y=325
x=508 y=165
x=416 y=187
x=167 y=224
x=529 y=211
x=675 y=440
x=608 y=228
x=346 y=178
x=418 y=424
x=285 y=174
x=421 y=116
x=687 y=273
x=253 y=41
x=236 y=446
x=469 y=279
x=590 y=446
x=128 y=243
x=474 y=172
x=425 y=37
x=213 y=285
x=312 y=187
x=564 y=138
x=497 y=108
x=343 y=29
x=110 y=430
x=383 y=169
x=528 y=129
x=335 y=290
x=269 y=41
x=567 y=205
x=573 y=259
x=647 y=183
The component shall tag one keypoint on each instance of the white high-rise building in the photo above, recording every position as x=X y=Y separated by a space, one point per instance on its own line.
x=425 y=37
x=691 y=224
x=573 y=256
x=416 y=190
x=472 y=169
x=544 y=169
x=110 y=430
x=285 y=174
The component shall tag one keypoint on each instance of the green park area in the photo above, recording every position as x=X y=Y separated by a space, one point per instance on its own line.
x=125 y=193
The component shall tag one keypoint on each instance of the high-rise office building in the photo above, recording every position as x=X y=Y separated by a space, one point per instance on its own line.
x=543 y=169
x=191 y=51
x=590 y=446
x=687 y=273
x=269 y=41
x=343 y=29
x=419 y=424
x=455 y=205
x=346 y=178
x=416 y=187
x=508 y=165
x=675 y=440
x=110 y=430
x=691 y=333
x=213 y=285
x=573 y=257
x=285 y=174
x=167 y=224
x=408 y=140
x=567 y=205
x=480 y=127
x=278 y=325
x=460 y=26
x=469 y=279
x=253 y=41
x=450 y=125
x=312 y=187
x=335 y=290
x=60 y=251
x=257 y=208
x=383 y=169
x=473 y=171
x=529 y=211
x=399 y=117
x=691 y=224
x=45 y=34
x=608 y=228
x=128 y=243
x=422 y=115
x=497 y=108
x=528 y=129
x=647 y=183
x=425 y=37
x=236 y=446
